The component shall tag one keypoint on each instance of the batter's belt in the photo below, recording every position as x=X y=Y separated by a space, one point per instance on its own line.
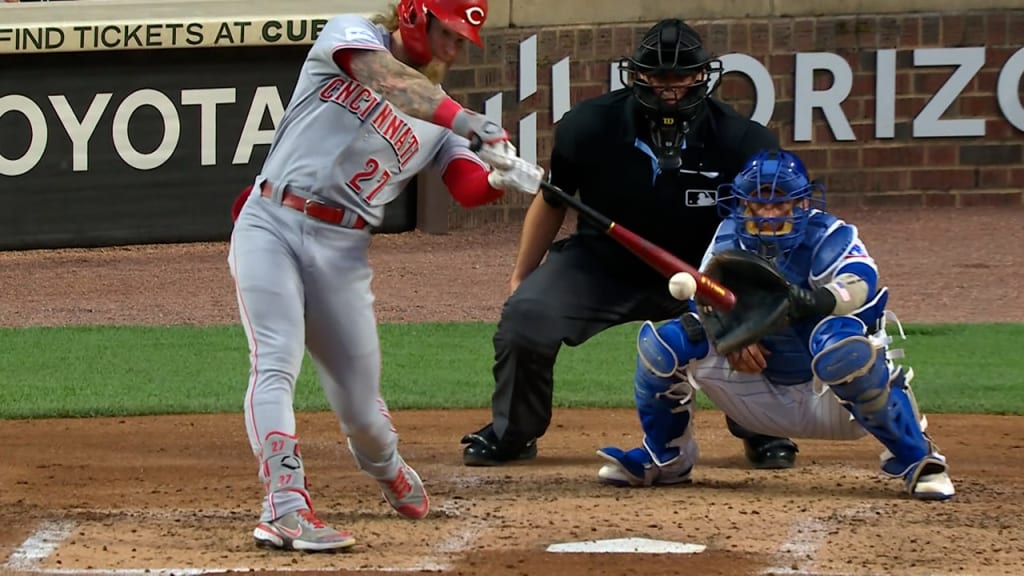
x=316 y=209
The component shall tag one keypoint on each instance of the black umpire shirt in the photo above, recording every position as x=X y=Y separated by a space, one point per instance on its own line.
x=602 y=152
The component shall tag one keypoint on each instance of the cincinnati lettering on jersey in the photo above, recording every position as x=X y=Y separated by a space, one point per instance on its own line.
x=361 y=101
x=395 y=130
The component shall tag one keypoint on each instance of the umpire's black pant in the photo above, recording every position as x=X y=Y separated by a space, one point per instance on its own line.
x=581 y=289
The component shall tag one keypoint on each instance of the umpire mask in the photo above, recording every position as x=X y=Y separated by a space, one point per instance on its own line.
x=672 y=76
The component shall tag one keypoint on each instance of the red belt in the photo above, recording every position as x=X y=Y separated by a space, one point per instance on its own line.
x=314 y=208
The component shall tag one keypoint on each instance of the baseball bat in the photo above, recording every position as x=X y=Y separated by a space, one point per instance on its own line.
x=666 y=263
x=656 y=257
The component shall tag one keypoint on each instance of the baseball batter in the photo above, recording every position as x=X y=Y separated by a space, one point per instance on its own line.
x=828 y=374
x=367 y=114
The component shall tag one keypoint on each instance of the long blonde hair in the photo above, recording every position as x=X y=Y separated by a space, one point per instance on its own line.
x=387 y=19
x=434 y=71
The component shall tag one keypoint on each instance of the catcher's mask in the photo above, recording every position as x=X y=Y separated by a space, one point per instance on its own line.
x=671 y=76
x=771 y=199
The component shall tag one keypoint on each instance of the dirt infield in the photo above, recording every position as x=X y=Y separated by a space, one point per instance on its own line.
x=178 y=494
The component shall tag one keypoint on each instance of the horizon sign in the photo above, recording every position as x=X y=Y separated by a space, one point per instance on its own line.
x=102 y=113
x=928 y=123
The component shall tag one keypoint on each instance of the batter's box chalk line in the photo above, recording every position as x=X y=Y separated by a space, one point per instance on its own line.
x=50 y=535
x=38 y=547
x=798 y=554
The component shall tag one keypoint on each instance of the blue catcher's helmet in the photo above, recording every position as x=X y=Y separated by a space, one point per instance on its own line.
x=770 y=179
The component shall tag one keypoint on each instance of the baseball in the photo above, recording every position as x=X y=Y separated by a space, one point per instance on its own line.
x=682 y=286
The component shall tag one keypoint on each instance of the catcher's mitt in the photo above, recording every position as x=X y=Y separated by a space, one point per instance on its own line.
x=762 y=300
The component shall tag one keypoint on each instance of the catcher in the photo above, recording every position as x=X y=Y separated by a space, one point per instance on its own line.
x=804 y=353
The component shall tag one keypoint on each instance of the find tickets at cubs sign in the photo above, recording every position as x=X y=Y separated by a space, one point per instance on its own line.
x=157 y=35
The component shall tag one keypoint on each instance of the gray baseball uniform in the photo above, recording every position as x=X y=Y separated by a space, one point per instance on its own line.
x=305 y=283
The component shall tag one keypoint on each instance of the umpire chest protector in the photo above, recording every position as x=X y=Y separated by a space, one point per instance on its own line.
x=601 y=151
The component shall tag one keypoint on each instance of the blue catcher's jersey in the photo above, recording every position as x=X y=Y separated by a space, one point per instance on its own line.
x=829 y=247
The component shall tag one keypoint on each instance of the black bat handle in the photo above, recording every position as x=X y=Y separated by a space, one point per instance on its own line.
x=589 y=214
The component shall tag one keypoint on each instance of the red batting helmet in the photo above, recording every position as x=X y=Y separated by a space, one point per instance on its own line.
x=463 y=16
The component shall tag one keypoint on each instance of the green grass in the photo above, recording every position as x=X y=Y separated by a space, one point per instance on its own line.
x=101 y=371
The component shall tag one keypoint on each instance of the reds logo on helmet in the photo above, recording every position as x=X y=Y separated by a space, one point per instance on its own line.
x=465 y=17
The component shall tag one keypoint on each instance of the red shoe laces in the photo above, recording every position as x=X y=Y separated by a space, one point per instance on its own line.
x=310 y=517
x=400 y=485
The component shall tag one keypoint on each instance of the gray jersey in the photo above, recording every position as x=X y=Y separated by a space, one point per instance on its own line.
x=341 y=142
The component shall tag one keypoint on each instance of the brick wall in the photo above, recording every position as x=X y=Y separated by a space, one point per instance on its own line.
x=869 y=171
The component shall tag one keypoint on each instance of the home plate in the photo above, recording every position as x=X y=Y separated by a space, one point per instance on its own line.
x=628 y=546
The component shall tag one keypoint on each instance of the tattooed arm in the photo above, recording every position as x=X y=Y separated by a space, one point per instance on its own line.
x=403 y=86
x=412 y=93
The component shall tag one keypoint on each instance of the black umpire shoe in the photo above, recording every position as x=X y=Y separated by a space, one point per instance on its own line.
x=764 y=452
x=770 y=453
x=482 y=449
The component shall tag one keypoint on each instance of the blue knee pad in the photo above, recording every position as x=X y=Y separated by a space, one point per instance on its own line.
x=664 y=402
x=839 y=345
x=859 y=374
x=664 y=397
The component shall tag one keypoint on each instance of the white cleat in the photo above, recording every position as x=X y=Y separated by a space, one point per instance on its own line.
x=616 y=475
x=933 y=487
x=926 y=480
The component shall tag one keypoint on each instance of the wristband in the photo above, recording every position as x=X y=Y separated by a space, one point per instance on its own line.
x=824 y=302
x=808 y=304
x=849 y=291
x=446 y=112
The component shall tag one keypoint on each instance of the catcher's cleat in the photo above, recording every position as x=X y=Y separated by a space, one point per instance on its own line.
x=406 y=494
x=301 y=530
x=482 y=449
x=935 y=486
x=924 y=480
x=770 y=453
x=636 y=468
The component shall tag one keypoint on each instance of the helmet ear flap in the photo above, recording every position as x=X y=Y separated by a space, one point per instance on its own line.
x=412 y=23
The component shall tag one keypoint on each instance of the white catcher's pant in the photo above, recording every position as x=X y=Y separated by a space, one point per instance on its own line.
x=759 y=406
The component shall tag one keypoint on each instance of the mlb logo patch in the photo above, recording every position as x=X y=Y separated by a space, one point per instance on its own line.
x=698 y=198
